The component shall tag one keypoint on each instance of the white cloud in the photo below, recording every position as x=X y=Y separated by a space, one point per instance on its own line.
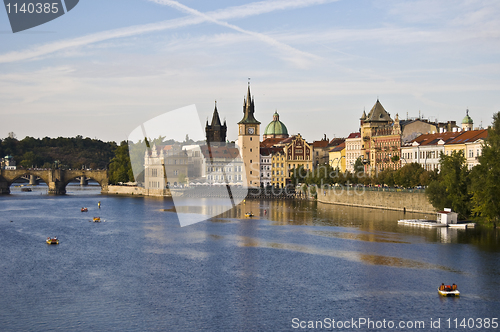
x=228 y=13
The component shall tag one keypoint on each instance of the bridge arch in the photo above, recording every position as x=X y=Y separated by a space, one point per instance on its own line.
x=103 y=182
x=56 y=179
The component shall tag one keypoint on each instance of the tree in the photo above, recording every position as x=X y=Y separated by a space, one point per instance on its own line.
x=409 y=175
x=120 y=169
x=452 y=186
x=486 y=176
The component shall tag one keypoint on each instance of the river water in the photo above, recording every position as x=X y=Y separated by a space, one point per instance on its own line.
x=294 y=264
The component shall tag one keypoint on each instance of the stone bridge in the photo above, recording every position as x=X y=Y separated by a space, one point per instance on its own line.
x=56 y=179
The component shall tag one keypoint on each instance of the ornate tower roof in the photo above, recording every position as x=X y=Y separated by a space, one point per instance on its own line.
x=216 y=132
x=467 y=119
x=378 y=114
x=276 y=128
x=248 y=110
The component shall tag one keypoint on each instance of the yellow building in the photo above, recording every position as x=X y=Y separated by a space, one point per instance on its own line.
x=287 y=155
x=337 y=157
x=469 y=142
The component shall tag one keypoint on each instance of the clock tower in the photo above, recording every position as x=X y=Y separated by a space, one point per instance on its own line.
x=249 y=142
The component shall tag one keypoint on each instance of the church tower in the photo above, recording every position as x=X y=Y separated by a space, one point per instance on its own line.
x=216 y=132
x=249 y=142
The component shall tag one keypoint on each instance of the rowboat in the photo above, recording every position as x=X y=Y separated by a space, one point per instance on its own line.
x=447 y=290
x=53 y=240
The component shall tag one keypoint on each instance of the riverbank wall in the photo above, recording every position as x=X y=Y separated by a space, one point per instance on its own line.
x=415 y=201
x=136 y=191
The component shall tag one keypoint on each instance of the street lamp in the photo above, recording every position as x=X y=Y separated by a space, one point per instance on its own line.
x=338 y=162
x=331 y=163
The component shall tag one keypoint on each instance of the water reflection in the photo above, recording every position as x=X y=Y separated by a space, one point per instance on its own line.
x=376 y=225
x=354 y=256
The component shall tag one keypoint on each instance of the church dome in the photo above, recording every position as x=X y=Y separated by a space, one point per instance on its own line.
x=276 y=128
x=467 y=119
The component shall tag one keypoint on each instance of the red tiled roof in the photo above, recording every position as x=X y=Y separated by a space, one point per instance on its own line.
x=269 y=142
x=219 y=152
x=268 y=151
x=469 y=136
x=354 y=135
x=432 y=139
x=320 y=144
x=336 y=141
x=339 y=147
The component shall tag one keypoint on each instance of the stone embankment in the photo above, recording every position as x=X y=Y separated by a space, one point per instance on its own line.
x=387 y=199
x=136 y=191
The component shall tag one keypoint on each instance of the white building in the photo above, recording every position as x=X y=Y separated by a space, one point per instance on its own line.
x=223 y=165
x=165 y=167
x=352 y=150
x=196 y=163
x=265 y=167
x=426 y=149
x=8 y=162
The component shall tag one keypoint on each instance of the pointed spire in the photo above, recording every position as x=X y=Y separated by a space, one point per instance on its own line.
x=215 y=117
x=248 y=108
x=363 y=116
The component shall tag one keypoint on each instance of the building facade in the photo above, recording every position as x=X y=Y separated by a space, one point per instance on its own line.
x=352 y=150
x=165 y=167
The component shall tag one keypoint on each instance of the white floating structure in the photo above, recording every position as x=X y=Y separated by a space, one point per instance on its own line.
x=445 y=218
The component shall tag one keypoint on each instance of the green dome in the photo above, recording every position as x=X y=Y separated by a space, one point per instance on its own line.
x=467 y=119
x=276 y=127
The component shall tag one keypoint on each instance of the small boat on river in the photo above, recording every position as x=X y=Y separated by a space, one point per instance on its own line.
x=96 y=219
x=249 y=214
x=84 y=209
x=447 y=290
x=53 y=240
x=26 y=189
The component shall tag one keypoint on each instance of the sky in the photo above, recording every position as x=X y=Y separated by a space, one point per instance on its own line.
x=108 y=66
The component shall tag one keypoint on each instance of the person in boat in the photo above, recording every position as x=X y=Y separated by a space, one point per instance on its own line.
x=454 y=287
x=441 y=287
